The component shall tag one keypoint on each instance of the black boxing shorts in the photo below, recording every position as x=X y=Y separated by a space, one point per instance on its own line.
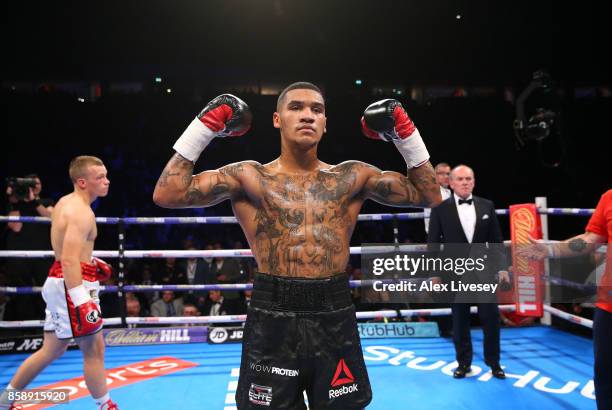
x=301 y=336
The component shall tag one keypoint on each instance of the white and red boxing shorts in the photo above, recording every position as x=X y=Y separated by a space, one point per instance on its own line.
x=59 y=312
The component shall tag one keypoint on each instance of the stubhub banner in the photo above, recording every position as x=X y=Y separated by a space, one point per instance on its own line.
x=384 y=330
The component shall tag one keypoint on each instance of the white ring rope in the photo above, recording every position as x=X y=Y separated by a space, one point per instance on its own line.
x=232 y=220
x=181 y=320
x=227 y=253
x=569 y=317
x=213 y=253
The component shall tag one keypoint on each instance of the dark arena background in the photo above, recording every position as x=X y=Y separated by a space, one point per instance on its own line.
x=521 y=91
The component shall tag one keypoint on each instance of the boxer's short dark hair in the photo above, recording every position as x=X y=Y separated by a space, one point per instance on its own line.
x=300 y=85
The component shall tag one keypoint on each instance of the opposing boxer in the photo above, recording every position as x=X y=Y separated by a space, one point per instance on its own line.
x=71 y=289
x=298 y=214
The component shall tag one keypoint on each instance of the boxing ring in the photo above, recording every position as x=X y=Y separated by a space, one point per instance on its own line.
x=545 y=367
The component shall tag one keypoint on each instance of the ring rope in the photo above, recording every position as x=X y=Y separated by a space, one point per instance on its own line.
x=173 y=220
x=213 y=253
x=381 y=314
x=225 y=253
x=24 y=290
x=568 y=316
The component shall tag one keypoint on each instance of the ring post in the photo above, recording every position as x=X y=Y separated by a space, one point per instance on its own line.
x=542 y=203
x=121 y=272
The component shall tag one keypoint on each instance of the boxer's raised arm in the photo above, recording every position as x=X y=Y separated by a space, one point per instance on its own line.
x=388 y=121
x=177 y=187
x=394 y=189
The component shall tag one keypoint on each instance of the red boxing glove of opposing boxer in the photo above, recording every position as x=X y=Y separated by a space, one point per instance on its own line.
x=104 y=271
x=109 y=405
x=85 y=317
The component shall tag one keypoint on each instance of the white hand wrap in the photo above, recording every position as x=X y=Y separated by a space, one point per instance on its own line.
x=193 y=140
x=413 y=149
x=79 y=295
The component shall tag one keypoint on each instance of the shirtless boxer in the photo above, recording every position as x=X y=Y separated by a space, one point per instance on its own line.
x=298 y=214
x=71 y=290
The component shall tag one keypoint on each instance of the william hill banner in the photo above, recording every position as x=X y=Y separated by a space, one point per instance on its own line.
x=154 y=336
x=525 y=222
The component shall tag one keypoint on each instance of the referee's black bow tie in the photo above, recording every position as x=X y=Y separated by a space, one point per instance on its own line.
x=466 y=201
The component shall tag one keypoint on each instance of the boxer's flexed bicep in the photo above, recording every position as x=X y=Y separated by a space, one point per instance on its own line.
x=395 y=189
x=177 y=187
x=390 y=188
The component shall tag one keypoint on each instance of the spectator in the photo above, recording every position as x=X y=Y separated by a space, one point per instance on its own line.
x=214 y=305
x=170 y=273
x=29 y=236
x=189 y=309
x=246 y=301
x=227 y=271
x=197 y=271
x=443 y=171
x=147 y=298
x=247 y=265
x=132 y=305
x=167 y=306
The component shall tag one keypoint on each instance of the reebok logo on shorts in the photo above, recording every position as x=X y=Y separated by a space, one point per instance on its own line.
x=341 y=377
x=260 y=395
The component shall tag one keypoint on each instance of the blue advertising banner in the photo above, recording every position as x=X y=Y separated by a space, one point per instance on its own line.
x=404 y=329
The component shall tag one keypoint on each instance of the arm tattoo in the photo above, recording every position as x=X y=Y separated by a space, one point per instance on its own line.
x=394 y=189
x=177 y=167
x=217 y=191
x=424 y=180
x=206 y=189
x=384 y=190
x=577 y=245
x=232 y=170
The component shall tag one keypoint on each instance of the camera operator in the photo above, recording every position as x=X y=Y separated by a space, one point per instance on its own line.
x=23 y=199
x=24 y=193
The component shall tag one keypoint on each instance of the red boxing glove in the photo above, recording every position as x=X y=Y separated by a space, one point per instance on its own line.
x=85 y=316
x=227 y=115
x=87 y=319
x=386 y=120
x=104 y=271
